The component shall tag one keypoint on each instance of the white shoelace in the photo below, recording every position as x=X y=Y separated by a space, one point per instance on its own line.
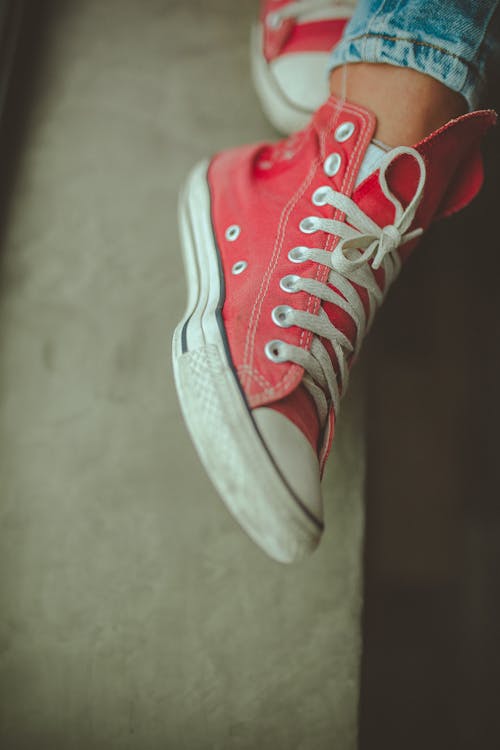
x=305 y=8
x=363 y=245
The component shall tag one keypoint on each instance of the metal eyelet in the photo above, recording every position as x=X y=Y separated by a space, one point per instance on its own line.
x=239 y=267
x=320 y=195
x=332 y=164
x=298 y=254
x=309 y=225
x=233 y=232
x=274 y=351
x=289 y=283
x=344 y=131
x=281 y=316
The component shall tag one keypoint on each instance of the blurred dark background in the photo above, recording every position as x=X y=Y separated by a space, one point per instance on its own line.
x=431 y=665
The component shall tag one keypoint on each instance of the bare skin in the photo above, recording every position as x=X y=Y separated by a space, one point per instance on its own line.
x=409 y=105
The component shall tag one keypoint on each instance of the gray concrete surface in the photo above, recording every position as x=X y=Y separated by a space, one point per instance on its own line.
x=134 y=613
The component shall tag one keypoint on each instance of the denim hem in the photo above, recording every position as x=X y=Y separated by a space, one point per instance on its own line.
x=425 y=57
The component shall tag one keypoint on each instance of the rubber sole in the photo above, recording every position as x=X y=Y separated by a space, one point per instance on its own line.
x=221 y=425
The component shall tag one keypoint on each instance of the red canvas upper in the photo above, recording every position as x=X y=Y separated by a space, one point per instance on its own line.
x=266 y=190
x=291 y=36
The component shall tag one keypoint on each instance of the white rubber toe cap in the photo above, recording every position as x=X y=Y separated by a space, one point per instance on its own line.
x=294 y=457
x=303 y=79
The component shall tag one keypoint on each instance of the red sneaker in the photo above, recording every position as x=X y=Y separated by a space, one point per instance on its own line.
x=289 y=252
x=290 y=46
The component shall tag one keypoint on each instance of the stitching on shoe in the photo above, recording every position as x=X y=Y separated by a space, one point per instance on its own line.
x=248 y=354
x=249 y=372
x=274 y=392
x=269 y=390
x=278 y=245
x=313 y=303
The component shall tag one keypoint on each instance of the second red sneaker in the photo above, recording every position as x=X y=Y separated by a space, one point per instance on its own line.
x=289 y=250
x=290 y=47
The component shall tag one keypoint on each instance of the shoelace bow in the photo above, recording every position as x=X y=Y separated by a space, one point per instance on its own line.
x=363 y=246
x=299 y=8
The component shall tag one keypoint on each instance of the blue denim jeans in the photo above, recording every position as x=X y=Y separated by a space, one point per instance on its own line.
x=455 y=41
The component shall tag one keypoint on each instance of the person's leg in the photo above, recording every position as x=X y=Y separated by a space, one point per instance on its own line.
x=416 y=64
x=408 y=104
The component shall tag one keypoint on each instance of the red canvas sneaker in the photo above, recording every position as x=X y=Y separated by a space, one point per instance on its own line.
x=290 y=46
x=289 y=250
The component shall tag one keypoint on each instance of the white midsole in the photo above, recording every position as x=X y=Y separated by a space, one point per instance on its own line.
x=286 y=117
x=223 y=431
x=204 y=287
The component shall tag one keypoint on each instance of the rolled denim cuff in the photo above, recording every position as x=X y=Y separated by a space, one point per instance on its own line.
x=424 y=56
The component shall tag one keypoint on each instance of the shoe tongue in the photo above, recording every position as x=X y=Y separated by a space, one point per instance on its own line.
x=373 y=156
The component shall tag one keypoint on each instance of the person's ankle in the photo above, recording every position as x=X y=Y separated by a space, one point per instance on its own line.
x=408 y=105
